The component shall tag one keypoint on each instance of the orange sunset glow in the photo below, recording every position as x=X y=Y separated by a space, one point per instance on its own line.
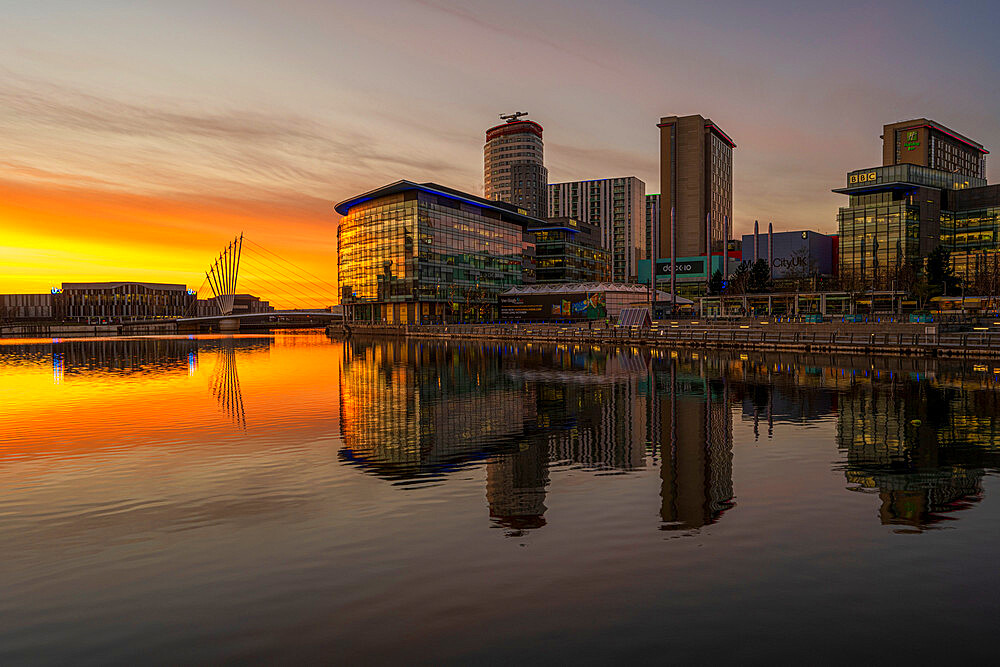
x=56 y=234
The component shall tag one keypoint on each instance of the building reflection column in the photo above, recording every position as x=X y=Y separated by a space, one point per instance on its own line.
x=696 y=469
x=516 y=485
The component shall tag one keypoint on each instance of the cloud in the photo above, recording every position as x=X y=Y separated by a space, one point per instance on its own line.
x=55 y=132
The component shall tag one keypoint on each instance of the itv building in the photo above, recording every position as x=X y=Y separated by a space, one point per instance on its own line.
x=930 y=191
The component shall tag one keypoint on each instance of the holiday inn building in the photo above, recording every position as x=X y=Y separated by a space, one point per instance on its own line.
x=932 y=192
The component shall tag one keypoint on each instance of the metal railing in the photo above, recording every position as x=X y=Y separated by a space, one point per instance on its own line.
x=986 y=341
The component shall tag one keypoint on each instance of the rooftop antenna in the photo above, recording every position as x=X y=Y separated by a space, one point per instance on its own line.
x=511 y=117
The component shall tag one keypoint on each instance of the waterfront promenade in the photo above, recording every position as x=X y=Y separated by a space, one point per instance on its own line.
x=761 y=335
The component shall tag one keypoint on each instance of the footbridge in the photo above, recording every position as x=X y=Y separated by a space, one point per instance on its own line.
x=275 y=318
x=250 y=286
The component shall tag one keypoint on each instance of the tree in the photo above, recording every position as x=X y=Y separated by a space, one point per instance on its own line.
x=715 y=283
x=907 y=276
x=923 y=291
x=759 y=279
x=939 y=273
x=738 y=281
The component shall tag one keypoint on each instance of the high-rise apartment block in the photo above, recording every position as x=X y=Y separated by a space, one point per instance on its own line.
x=696 y=180
x=618 y=206
x=514 y=166
x=652 y=219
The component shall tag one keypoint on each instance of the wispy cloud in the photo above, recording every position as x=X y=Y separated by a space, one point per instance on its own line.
x=162 y=145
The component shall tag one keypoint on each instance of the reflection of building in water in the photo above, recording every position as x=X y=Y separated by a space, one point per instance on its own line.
x=780 y=390
x=921 y=446
x=126 y=356
x=226 y=384
x=589 y=405
x=415 y=409
x=412 y=408
x=692 y=429
x=153 y=357
x=595 y=426
x=515 y=486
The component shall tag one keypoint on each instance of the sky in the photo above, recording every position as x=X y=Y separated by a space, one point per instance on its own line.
x=139 y=137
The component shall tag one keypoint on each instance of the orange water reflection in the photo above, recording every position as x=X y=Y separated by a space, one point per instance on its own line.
x=77 y=396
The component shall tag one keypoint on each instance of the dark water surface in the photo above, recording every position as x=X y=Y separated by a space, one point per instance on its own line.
x=297 y=499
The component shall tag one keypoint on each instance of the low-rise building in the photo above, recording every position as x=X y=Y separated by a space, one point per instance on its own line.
x=109 y=302
x=567 y=250
x=797 y=254
x=243 y=304
x=25 y=307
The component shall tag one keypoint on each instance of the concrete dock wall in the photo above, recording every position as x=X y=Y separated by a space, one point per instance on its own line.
x=900 y=339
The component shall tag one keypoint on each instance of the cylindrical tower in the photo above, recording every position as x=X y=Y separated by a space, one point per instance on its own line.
x=514 y=166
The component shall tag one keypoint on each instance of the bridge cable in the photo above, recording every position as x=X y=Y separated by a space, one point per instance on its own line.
x=290 y=281
x=266 y=275
x=287 y=288
x=287 y=273
x=264 y=290
x=335 y=288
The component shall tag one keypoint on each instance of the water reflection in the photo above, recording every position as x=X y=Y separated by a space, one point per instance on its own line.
x=226 y=384
x=99 y=363
x=919 y=433
x=692 y=421
x=415 y=411
x=922 y=446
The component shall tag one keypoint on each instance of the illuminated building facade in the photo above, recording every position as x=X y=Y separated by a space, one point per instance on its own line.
x=422 y=253
x=514 y=165
x=121 y=301
x=567 y=250
x=931 y=191
x=617 y=206
x=970 y=230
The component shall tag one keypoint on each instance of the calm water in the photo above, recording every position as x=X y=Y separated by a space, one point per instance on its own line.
x=297 y=499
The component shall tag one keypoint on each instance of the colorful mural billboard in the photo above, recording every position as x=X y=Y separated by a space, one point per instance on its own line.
x=544 y=307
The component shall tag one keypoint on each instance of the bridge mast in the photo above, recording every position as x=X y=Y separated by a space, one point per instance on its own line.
x=222 y=275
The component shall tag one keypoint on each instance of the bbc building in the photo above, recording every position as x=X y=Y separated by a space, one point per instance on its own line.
x=931 y=192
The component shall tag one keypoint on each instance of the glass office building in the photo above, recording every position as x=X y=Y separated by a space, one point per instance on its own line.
x=567 y=250
x=971 y=232
x=421 y=253
x=931 y=191
x=896 y=215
